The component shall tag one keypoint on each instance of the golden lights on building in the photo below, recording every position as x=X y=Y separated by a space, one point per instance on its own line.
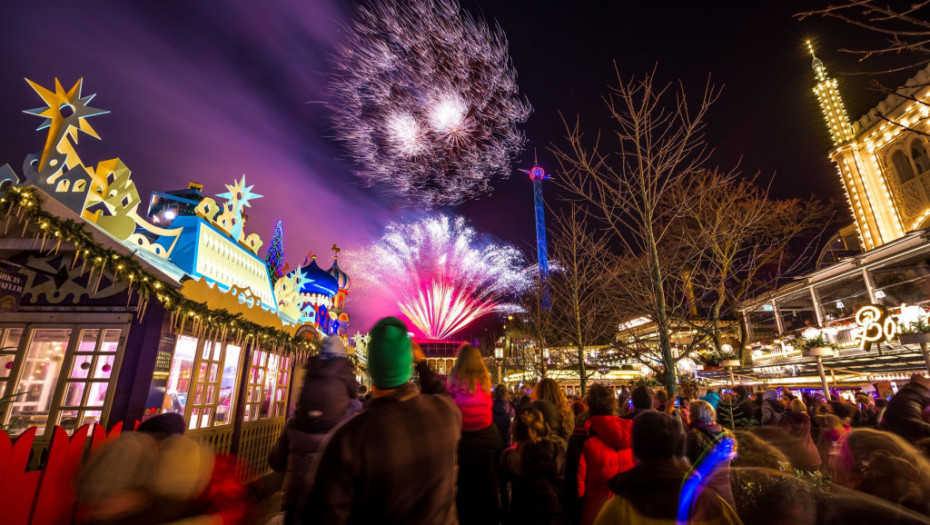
x=881 y=158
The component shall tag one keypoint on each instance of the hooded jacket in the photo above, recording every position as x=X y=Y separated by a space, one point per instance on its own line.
x=329 y=387
x=606 y=453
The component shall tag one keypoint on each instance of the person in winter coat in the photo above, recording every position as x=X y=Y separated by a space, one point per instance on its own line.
x=651 y=492
x=606 y=453
x=394 y=462
x=479 y=453
x=535 y=468
x=797 y=422
x=502 y=413
x=548 y=390
x=772 y=408
x=703 y=437
x=329 y=396
x=903 y=415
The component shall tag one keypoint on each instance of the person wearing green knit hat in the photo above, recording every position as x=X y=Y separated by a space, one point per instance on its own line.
x=390 y=354
x=395 y=462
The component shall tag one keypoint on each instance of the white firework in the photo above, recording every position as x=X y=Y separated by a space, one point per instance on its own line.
x=426 y=101
x=439 y=273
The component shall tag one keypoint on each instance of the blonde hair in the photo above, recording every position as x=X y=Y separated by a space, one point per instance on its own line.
x=797 y=405
x=548 y=390
x=702 y=412
x=469 y=371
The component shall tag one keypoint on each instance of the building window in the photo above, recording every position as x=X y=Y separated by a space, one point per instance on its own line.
x=62 y=376
x=88 y=380
x=267 y=389
x=919 y=156
x=902 y=166
x=9 y=343
x=203 y=375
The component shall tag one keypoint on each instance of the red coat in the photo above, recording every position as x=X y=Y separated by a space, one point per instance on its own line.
x=606 y=453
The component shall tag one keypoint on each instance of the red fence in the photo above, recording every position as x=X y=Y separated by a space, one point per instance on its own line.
x=46 y=496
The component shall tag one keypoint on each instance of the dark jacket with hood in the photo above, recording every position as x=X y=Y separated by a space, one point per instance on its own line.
x=536 y=472
x=903 y=415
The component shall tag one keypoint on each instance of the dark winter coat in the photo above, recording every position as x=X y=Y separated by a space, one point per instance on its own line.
x=394 y=463
x=606 y=453
x=293 y=454
x=903 y=414
x=477 y=498
x=804 y=453
x=536 y=473
x=503 y=414
x=329 y=387
x=570 y=500
x=701 y=439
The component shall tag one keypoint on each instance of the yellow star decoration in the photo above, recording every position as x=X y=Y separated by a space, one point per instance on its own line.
x=66 y=113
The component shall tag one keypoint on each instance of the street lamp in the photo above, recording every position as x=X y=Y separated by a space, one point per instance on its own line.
x=499 y=359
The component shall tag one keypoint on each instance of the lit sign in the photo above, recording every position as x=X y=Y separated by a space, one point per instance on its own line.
x=875 y=326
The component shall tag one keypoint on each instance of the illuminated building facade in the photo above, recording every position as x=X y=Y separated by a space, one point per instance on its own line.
x=881 y=158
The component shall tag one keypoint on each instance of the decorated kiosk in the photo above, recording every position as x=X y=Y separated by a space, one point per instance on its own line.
x=111 y=313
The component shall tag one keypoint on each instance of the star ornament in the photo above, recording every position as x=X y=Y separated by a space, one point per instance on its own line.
x=239 y=194
x=65 y=109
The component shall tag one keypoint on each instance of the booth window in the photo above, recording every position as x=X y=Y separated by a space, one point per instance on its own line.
x=265 y=384
x=61 y=376
x=9 y=343
x=202 y=382
x=90 y=369
x=215 y=385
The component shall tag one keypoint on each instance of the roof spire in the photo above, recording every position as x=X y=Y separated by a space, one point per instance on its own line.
x=819 y=69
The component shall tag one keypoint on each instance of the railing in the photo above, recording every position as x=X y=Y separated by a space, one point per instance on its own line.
x=255 y=443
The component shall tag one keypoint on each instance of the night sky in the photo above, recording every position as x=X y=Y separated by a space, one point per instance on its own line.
x=206 y=91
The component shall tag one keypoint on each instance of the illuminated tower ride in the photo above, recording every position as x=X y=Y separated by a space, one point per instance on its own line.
x=537 y=175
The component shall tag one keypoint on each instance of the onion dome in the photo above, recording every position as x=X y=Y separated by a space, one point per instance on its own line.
x=342 y=279
x=317 y=280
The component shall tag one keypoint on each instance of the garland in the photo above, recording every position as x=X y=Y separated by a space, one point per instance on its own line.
x=51 y=231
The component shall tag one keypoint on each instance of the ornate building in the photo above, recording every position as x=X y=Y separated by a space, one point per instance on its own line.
x=882 y=157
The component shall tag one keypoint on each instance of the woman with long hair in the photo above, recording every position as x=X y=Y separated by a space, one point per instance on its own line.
x=535 y=468
x=469 y=382
x=548 y=390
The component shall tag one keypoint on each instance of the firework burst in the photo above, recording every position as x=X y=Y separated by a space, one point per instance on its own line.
x=427 y=101
x=440 y=277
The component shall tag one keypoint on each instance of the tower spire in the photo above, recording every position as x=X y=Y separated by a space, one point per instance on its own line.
x=830 y=101
x=537 y=175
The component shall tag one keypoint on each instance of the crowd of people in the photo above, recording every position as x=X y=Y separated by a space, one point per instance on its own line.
x=418 y=448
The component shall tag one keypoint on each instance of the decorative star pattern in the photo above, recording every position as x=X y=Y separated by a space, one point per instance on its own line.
x=65 y=113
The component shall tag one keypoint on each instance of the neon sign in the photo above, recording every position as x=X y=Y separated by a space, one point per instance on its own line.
x=876 y=326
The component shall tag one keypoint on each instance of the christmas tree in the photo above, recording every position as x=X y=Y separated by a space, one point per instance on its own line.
x=274 y=258
x=730 y=415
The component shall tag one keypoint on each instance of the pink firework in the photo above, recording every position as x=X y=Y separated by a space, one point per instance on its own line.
x=440 y=277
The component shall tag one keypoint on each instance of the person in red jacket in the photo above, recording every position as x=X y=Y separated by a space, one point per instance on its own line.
x=607 y=452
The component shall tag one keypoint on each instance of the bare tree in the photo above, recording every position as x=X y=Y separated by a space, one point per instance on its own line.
x=741 y=244
x=583 y=311
x=626 y=180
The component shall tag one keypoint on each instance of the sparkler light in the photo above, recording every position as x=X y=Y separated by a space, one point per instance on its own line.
x=442 y=280
x=426 y=100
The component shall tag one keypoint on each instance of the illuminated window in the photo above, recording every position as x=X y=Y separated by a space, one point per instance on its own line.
x=267 y=389
x=9 y=342
x=88 y=380
x=902 y=166
x=919 y=156
x=38 y=376
x=202 y=382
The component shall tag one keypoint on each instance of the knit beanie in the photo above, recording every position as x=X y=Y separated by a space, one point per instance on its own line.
x=333 y=347
x=390 y=355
